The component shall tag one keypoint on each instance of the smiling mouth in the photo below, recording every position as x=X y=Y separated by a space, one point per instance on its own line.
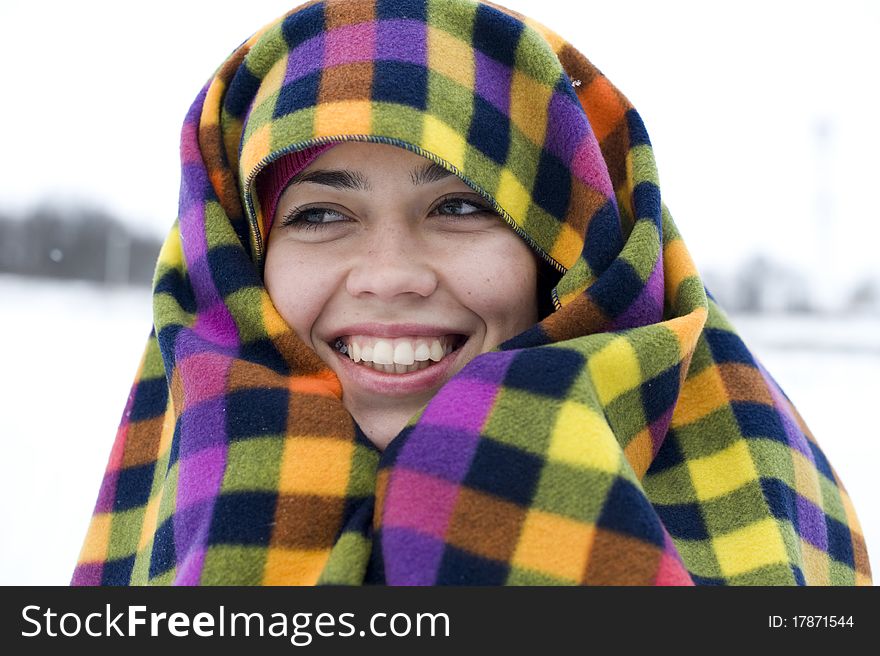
x=400 y=355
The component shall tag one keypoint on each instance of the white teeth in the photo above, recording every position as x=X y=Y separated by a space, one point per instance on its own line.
x=403 y=354
x=436 y=351
x=423 y=352
x=355 y=352
x=383 y=352
x=367 y=353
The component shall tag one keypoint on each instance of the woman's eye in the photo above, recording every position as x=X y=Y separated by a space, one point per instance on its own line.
x=462 y=207
x=312 y=218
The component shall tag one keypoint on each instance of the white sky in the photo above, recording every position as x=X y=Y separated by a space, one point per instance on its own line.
x=734 y=96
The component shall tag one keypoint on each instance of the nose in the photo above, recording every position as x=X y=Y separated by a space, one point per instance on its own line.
x=394 y=262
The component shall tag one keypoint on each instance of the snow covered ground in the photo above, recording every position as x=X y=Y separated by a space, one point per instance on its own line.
x=70 y=351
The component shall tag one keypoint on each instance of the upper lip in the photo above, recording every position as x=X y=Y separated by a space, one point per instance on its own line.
x=393 y=330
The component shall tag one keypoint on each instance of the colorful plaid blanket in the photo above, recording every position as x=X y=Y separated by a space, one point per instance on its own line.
x=630 y=437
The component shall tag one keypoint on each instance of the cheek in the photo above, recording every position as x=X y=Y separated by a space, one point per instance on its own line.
x=498 y=283
x=297 y=287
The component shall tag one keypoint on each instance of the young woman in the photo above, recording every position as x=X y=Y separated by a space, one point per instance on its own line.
x=424 y=319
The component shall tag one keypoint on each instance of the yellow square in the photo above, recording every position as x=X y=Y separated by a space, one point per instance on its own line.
x=294 y=566
x=526 y=93
x=555 y=545
x=806 y=481
x=512 y=196
x=451 y=57
x=583 y=438
x=442 y=140
x=272 y=81
x=315 y=465
x=151 y=518
x=94 y=549
x=816 y=566
x=700 y=395
x=272 y=319
x=256 y=147
x=568 y=246
x=750 y=548
x=345 y=117
x=615 y=369
x=722 y=472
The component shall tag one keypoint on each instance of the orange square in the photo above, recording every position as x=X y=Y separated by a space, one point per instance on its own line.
x=294 y=566
x=555 y=545
x=315 y=465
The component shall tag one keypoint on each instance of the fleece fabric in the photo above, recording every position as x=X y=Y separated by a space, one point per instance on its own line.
x=630 y=437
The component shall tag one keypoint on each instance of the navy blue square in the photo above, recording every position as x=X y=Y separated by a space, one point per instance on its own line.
x=668 y=456
x=549 y=371
x=150 y=399
x=798 y=575
x=243 y=518
x=628 y=511
x=298 y=94
x=257 y=412
x=174 y=455
x=504 y=471
x=400 y=82
x=646 y=201
x=727 y=347
x=489 y=130
x=840 y=542
x=167 y=339
x=178 y=286
x=459 y=567
x=683 y=521
x=780 y=498
x=163 y=555
x=758 y=420
x=616 y=290
x=638 y=134
x=563 y=86
x=552 y=189
x=660 y=393
x=707 y=580
x=390 y=9
x=604 y=240
x=496 y=34
x=241 y=92
x=118 y=572
x=822 y=463
x=133 y=487
x=264 y=352
x=231 y=269
x=303 y=25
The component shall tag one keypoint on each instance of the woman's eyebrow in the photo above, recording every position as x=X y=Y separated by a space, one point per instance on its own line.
x=345 y=179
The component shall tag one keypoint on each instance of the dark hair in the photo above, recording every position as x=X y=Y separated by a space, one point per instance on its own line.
x=548 y=278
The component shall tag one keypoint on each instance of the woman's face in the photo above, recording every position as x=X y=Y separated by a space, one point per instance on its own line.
x=397 y=274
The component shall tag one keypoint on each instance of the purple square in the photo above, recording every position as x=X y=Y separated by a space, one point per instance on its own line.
x=411 y=558
x=493 y=82
x=402 y=40
x=811 y=523
x=306 y=58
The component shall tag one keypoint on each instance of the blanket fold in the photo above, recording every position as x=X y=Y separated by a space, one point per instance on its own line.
x=629 y=437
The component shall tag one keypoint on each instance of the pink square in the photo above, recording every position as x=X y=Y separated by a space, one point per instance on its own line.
x=350 y=43
x=204 y=377
x=419 y=501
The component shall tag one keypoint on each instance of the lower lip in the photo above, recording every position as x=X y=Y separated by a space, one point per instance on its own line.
x=398 y=384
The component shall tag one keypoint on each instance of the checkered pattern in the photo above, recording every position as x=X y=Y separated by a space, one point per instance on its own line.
x=630 y=437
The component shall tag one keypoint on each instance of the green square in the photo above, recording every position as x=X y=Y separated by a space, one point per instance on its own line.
x=841 y=573
x=700 y=557
x=579 y=276
x=573 y=492
x=773 y=460
x=140 y=572
x=642 y=250
x=732 y=511
x=350 y=549
x=536 y=58
x=522 y=158
x=264 y=54
x=543 y=227
x=234 y=565
x=657 y=350
x=246 y=307
x=125 y=532
x=710 y=434
x=529 y=431
x=689 y=295
x=671 y=486
x=253 y=465
x=168 y=312
x=776 y=574
x=485 y=171
x=702 y=357
x=397 y=121
x=289 y=129
x=165 y=578
x=626 y=415
x=832 y=504
x=521 y=576
x=154 y=367
x=218 y=230
x=260 y=115
x=457 y=19
x=362 y=479
x=450 y=102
